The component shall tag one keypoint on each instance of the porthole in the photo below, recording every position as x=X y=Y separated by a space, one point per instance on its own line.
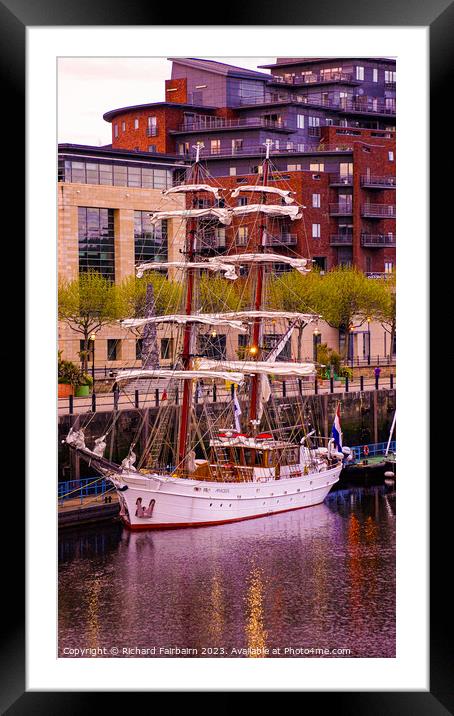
x=220 y=505
x=211 y=504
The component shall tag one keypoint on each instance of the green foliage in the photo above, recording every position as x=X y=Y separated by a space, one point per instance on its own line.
x=219 y=295
x=327 y=358
x=168 y=295
x=344 y=295
x=87 y=303
x=68 y=372
x=71 y=374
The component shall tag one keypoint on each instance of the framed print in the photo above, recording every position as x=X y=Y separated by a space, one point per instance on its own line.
x=198 y=397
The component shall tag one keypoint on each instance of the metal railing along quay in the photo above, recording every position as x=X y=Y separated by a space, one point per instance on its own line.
x=214 y=393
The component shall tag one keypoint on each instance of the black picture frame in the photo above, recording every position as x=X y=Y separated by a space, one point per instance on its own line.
x=15 y=17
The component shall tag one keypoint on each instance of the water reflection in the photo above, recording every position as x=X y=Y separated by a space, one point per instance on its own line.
x=319 y=578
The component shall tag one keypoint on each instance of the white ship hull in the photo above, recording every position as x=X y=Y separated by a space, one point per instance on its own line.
x=180 y=502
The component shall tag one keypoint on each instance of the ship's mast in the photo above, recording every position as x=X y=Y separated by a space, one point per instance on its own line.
x=186 y=355
x=254 y=349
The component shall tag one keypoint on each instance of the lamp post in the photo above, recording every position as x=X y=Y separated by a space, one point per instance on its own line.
x=92 y=338
x=368 y=340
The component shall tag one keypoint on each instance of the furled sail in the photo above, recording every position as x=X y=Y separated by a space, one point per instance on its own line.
x=221 y=374
x=293 y=212
x=214 y=264
x=210 y=319
x=272 y=315
x=266 y=367
x=222 y=215
x=285 y=193
x=298 y=264
x=181 y=189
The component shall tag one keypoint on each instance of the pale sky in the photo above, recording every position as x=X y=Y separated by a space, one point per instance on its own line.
x=90 y=86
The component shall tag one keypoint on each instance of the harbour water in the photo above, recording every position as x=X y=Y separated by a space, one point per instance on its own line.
x=317 y=582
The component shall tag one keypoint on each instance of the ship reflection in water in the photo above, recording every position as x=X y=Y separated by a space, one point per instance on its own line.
x=321 y=578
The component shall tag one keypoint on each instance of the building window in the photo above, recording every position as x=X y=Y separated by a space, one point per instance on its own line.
x=242 y=201
x=242 y=235
x=96 y=241
x=360 y=73
x=136 y=123
x=316 y=342
x=123 y=126
x=115 y=130
x=316 y=201
x=106 y=174
x=315 y=231
x=314 y=121
x=389 y=266
x=271 y=340
x=183 y=148
x=232 y=171
x=215 y=146
x=113 y=348
x=139 y=343
x=237 y=145
x=320 y=262
x=150 y=241
x=391 y=156
x=257 y=169
x=317 y=167
x=213 y=346
x=300 y=121
x=152 y=148
x=390 y=76
x=166 y=348
x=293 y=167
x=374 y=75
x=152 y=126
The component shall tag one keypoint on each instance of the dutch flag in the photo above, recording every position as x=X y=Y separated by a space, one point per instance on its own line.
x=236 y=411
x=336 y=431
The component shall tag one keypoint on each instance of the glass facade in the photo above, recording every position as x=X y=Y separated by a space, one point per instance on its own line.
x=110 y=174
x=150 y=241
x=96 y=241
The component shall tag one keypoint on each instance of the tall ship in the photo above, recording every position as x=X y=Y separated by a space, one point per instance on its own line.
x=207 y=461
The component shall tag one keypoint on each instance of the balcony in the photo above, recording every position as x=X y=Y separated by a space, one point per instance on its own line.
x=378 y=182
x=152 y=131
x=341 y=179
x=378 y=211
x=342 y=209
x=283 y=240
x=207 y=124
x=341 y=240
x=259 y=150
x=377 y=241
x=210 y=242
x=355 y=105
x=319 y=79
